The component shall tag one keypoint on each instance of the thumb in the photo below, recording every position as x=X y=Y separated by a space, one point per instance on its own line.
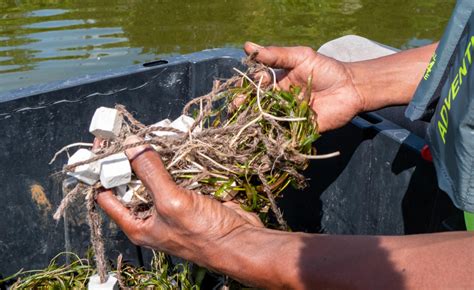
x=149 y=168
x=278 y=57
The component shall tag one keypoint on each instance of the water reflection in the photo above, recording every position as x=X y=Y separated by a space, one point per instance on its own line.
x=45 y=12
x=55 y=24
x=45 y=40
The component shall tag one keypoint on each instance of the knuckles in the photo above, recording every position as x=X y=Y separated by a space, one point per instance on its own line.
x=307 y=50
x=173 y=206
x=139 y=233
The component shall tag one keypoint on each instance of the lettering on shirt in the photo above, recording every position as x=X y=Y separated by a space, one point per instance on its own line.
x=462 y=70
x=430 y=67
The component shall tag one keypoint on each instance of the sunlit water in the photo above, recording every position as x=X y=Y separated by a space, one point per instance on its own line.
x=42 y=41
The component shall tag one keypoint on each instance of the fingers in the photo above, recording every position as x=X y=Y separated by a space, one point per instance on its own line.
x=96 y=144
x=278 y=57
x=116 y=211
x=238 y=101
x=331 y=116
x=111 y=205
x=267 y=78
x=147 y=165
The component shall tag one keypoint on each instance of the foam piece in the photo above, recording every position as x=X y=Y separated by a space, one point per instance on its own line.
x=121 y=190
x=110 y=284
x=132 y=187
x=183 y=123
x=87 y=173
x=106 y=123
x=193 y=185
x=115 y=170
x=135 y=184
x=163 y=123
x=127 y=197
x=69 y=183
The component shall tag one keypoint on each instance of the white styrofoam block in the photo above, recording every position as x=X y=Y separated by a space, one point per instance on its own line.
x=133 y=186
x=87 y=173
x=110 y=284
x=183 y=123
x=193 y=185
x=121 y=190
x=127 y=197
x=163 y=123
x=115 y=170
x=106 y=123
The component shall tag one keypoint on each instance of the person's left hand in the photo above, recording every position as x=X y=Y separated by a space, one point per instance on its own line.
x=184 y=223
x=334 y=96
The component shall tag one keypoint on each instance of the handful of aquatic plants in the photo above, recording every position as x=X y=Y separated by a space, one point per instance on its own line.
x=245 y=143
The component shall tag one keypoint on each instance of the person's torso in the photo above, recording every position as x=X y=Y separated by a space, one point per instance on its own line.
x=446 y=97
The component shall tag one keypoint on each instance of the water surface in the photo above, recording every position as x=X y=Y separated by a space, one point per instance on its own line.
x=43 y=41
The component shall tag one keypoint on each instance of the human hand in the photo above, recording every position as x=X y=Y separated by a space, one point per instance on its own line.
x=333 y=95
x=184 y=223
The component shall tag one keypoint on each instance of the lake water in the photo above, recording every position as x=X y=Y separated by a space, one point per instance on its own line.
x=42 y=41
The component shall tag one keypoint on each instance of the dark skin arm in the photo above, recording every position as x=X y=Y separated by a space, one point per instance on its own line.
x=228 y=240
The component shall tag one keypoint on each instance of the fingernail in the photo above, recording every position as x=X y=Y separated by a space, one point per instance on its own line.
x=133 y=152
x=255 y=45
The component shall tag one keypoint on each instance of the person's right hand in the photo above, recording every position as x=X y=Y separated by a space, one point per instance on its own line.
x=333 y=95
x=183 y=223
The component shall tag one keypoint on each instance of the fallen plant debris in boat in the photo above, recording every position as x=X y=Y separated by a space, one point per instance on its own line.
x=161 y=274
x=243 y=142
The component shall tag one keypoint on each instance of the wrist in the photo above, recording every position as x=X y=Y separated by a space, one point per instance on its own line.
x=389 y=80
x=353 y=73
x=254 y=256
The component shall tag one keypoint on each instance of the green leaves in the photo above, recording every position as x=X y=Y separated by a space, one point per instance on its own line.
x=55 y=276
x=277 y=145
x=221 y=191
x=306 y=145
x=75 y=275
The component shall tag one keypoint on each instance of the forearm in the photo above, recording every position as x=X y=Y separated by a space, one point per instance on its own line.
x=273 y=259
x=390 y=80
x=255 y=256
x=429 y=261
